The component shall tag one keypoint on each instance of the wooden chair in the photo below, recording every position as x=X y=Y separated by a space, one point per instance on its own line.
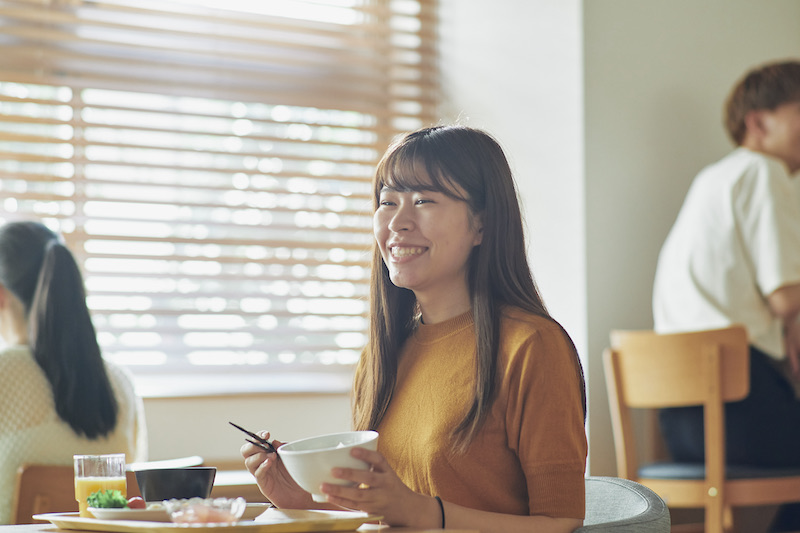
x=43 y=489
x=51 y=488
x=651 y=371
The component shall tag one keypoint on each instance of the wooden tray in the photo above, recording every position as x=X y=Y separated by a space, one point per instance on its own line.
x=270 y=521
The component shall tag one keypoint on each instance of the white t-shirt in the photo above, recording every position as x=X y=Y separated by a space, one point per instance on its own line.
x=735 y=241
x=32 y=432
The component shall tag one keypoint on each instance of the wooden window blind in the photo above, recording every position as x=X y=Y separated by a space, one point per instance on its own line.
x=209 y=165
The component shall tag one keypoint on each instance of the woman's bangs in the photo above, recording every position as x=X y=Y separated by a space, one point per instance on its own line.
x=403 y=172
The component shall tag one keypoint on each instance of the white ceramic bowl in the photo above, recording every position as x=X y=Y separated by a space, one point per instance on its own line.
x=309 y=461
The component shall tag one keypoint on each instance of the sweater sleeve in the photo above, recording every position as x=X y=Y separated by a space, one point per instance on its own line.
x=545 y=421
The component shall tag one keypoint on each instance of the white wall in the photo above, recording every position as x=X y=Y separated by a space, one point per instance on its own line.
x=199 y=426
x=513 y=68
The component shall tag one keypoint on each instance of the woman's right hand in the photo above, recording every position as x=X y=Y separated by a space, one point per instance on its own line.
x=272 y=478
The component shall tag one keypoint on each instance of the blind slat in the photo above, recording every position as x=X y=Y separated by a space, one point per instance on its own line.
x=314 y=96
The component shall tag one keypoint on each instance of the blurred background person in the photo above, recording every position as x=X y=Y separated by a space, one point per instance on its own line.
x=733 y=257
x=58 y=397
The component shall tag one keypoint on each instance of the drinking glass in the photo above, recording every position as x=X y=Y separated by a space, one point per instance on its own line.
x=98 y=472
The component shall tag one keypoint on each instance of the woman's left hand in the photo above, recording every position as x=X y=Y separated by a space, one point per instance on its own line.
x=380 y=491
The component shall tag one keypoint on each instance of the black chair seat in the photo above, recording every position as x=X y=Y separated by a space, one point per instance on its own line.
x=665 y=470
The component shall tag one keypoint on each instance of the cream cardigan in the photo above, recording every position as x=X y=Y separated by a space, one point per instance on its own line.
x=32 y=432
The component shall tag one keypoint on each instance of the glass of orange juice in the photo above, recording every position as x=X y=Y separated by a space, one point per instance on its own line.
x=98 y=472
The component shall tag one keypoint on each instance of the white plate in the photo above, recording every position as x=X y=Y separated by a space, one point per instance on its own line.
x=271 y=521
x=155 y=512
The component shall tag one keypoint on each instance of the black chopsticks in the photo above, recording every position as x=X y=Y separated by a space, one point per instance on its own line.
x=264 y=444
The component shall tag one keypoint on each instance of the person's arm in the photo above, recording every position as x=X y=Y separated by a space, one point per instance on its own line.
x=784 y=302
x=767 y=213
x=380 y=491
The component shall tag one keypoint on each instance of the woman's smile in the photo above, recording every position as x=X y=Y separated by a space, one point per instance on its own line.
x=400 y=252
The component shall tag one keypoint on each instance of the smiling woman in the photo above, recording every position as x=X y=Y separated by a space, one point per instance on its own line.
x=462 y=355
x=208 y=164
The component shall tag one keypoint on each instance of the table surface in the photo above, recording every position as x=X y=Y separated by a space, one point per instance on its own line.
x=366 y=528
x=232 y=483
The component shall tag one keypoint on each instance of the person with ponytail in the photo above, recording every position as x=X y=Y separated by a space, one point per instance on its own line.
x=58 y=397
x=476 y=391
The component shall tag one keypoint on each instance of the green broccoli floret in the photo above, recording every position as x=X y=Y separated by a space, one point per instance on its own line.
x=107 y=499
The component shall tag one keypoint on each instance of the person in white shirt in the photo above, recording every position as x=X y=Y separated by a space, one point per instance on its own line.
x=58 y=397
x=733 y=257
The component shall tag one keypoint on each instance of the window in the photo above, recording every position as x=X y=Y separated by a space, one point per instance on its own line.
x=210 y=167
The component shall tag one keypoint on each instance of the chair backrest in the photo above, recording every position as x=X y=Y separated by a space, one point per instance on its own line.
x=666 y=370
x=649 y=370
x=623 y=506
x=43 y=489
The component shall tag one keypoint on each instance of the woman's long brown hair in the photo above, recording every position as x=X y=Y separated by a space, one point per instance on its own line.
x=467 y=164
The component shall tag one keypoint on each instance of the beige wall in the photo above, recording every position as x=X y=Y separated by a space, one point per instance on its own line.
x=199 y=426
x=607 y=109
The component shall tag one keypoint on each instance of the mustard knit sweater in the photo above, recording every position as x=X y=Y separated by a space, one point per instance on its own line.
x=529 y=456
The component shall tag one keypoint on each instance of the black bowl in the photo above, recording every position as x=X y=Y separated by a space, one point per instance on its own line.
x=167 y=483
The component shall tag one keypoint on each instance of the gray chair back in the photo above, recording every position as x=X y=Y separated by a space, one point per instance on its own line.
x=623 y=506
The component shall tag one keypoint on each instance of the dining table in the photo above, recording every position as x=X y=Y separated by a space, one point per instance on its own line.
x=228 y=483
x=366 y=528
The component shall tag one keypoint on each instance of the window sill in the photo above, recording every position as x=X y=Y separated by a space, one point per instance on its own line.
x=240 y=384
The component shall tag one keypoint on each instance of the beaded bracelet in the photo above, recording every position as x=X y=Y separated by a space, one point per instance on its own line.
x=441 y=507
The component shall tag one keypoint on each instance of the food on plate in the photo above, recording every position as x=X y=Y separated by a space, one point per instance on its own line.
x=114 y=499
x=202 y=515
x=85 y=486
x=107 y=499
x=206 y=510
x=136 y=503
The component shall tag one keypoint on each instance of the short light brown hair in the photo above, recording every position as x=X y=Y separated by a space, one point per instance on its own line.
x=765 y=87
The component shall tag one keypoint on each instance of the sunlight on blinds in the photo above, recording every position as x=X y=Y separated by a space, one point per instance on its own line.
x=215 y=193
x=214 y=253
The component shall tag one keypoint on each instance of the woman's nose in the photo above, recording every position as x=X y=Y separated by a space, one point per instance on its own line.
x=402 y=219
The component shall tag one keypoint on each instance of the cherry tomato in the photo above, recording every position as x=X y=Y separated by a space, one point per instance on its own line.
x=136 y=503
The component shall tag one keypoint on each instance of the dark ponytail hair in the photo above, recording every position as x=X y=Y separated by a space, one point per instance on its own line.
x=42 y=273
